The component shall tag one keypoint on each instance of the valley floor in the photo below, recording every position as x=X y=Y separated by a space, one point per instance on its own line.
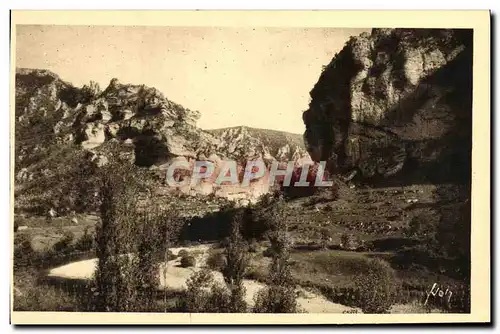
x=177 y=276
x=322 y=269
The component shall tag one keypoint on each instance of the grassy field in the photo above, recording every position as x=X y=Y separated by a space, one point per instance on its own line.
x=44 y=233
x=370 y=213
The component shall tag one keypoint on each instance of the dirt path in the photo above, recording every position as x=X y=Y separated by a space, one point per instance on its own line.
x=177 y=276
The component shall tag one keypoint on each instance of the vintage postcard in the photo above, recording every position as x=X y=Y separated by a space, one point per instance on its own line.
x=250 y=167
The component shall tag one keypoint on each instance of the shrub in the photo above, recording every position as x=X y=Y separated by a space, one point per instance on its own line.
x=89 y=92
x=349 y=241
x=85 y=243
x=183 y=253
x=204 y=295
x=279 y=296
x=171 y=256
x=48 y=298
x=197 y=291
x=422 y=226
x=216 y=260
x=257 y=274
x=378 y=287
x=219 y=300
x=253 y=247
x=268 y=252
x=188 y=261
x=275 y=299
x=23 y=251
x=266 y=199
x=326 y=236
x=64 y=245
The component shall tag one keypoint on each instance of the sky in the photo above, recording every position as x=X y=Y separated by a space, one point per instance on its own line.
x=258 y=77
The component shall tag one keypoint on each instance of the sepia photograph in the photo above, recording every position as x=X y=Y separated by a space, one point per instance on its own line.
x=205 y=166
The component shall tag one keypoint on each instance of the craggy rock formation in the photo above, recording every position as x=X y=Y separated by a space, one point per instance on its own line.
x=134 y=115
x=396 y=103
x=60 y=130
x=269 y=145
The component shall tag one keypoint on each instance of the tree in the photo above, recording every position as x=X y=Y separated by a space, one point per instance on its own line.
x=108 y=278
x=326 y=236
x=279 y=296
x=146 y=266
x=90 y=91
x=378 y=287
x=453 y=236
x=205 y=295
x=198 y=292
x=236 y=265
x=115 y=279
x=169 y=226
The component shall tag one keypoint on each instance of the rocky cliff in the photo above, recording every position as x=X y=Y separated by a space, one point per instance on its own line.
x=396 y=103
x=270 y=145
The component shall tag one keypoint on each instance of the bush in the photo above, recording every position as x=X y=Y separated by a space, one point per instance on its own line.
x=64 y=245
x=48 y=298
x=378 y=287
x=23 y=251
x=85 y=243
x=219 y=300
x=188 y=261
x=216 y=260
x=253 y=247
x=422 y=226
x=89 y=92
x=257 y=274
x=326 y=236
x=268 y=252
x=275 y=299
x=197 y=291
x=279 y=296
x=171 y=256
x=349 y=242
x=183 y=253
x=204 y=295
x=266 y=199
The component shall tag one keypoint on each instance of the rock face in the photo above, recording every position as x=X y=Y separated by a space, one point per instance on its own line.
x=396 y=103
x=269 y=145
x=158 y=127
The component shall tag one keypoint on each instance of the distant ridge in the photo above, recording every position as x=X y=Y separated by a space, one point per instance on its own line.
x=274 y=140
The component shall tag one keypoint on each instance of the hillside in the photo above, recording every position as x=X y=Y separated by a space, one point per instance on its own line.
x=63 y=133
x=277 y=145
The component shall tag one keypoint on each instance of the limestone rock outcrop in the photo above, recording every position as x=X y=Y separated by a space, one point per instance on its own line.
x=393 y=103
x=63 y=129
